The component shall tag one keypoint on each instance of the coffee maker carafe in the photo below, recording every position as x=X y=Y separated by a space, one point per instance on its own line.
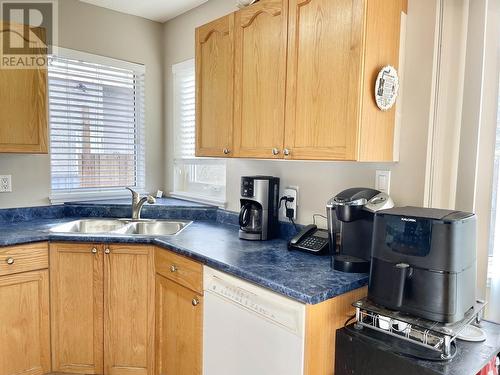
x=350 y=227
x=259 y=208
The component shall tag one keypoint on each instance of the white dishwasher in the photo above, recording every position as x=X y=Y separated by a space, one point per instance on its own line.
x=249 y=330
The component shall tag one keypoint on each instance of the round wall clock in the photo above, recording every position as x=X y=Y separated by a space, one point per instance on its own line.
x=386 y=88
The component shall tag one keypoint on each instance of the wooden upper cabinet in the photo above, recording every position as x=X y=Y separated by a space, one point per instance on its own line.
x=304 y=80
x=260 y=76
x=214 y=87
x=335 y=51
x=324 y=81
x=23 y=109
x=24 y=324
x=76 y=278
x=382 y=47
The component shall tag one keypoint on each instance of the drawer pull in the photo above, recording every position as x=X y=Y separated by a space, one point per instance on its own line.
x=173 y=268
x=94 y=251
x=107 y=251
x=195 y=302
x=9 y=261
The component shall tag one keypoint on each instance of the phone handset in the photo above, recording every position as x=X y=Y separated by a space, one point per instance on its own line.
x=303 y=233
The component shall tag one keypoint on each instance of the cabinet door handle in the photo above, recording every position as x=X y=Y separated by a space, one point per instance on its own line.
x=9 y=261
x=286 y=152
x=173 y=268
x=94 y=251
x=107 y=251
x=195 y=302
x=226 y=151
x=275 y=151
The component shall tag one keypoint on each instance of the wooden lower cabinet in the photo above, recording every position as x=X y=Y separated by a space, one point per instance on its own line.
x=129 y=310
x=112 y=315
x=179 y=329
x=102 y=309
x=322 y=322
x=24 y=324
x=77 y=308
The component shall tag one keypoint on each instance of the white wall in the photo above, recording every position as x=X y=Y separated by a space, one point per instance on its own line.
x=319 y=181
x=100 y=31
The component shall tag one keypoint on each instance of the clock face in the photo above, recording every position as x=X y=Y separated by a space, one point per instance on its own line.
x=386 y=88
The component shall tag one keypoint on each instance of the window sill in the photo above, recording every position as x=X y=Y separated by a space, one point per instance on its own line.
x=199 y=199
x=91 y=196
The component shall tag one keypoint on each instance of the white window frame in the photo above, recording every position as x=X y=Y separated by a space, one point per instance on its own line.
x=140 y=165
x=178 y=162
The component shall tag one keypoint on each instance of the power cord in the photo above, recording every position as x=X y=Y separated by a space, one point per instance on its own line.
x=289 y=212
x=349 y=320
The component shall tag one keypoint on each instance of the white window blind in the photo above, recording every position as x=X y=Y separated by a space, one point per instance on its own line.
x=184 y=109
x=96 y=126
x=200 y=179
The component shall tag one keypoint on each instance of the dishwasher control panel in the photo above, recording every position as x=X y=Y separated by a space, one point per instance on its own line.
x=243 y=298
x=274 y=307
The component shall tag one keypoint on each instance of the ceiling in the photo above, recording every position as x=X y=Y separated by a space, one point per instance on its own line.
x=156 y=10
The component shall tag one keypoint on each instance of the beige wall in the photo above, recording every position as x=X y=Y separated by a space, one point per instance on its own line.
x=318 y=181
x=97 y=30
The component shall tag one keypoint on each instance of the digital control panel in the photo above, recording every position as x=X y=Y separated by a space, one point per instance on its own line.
x=409 y=236
x=247 y=188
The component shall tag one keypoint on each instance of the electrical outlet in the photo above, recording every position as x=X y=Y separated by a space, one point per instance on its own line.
x=383 y=181
x=293 y=192
x=6 y=184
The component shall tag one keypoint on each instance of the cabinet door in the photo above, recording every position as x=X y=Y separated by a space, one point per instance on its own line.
x=129 y=310
x=324 y=78
x=260 y=75
x=23 y=107
x=77 y=308
x=24 y=324
x=383 y=31
x=214 y=87
x=179 y=332
x=23 y=110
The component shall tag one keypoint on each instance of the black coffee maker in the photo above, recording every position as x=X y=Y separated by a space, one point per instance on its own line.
x=259 y=207
x=350 y=227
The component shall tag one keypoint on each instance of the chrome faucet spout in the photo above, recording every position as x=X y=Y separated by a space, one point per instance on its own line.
x=138 y=203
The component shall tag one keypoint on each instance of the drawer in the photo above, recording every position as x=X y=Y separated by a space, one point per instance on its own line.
x=182 y=270
x=22 y=258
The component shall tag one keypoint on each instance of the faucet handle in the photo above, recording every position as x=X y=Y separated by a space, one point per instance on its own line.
x=151 y=199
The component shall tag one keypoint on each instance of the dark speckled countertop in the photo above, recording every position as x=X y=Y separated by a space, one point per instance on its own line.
x=303 y=277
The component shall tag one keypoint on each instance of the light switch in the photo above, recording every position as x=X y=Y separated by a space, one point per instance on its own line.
x=383 y=181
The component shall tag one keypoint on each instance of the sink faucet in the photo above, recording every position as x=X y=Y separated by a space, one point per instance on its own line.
x=138 y=202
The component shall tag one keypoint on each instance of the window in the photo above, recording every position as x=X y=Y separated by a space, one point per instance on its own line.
x=493 y=281
x=201 y=179
x=96 y=113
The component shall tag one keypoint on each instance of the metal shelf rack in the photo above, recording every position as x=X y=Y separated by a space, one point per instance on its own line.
x=429 y=334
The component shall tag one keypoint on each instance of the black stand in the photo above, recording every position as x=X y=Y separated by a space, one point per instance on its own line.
x=368 y=352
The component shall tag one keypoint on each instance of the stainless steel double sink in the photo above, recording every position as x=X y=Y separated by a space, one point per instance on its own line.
x=144 y=227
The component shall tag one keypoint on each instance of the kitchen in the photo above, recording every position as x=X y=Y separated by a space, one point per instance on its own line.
x=436 y=157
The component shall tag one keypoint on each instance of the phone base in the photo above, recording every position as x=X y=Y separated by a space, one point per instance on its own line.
x=350 y=264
